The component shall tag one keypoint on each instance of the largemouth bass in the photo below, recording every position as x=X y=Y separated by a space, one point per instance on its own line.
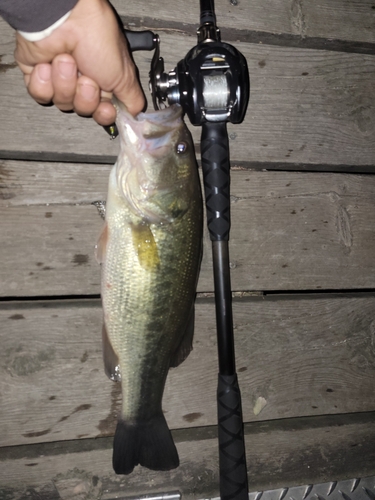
x=150 y=250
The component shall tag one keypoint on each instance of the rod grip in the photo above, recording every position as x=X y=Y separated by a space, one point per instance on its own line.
x=216 y=177
x=232 y=458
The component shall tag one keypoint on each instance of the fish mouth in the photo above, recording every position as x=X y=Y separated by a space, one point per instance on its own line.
x=166 y=118
x=148 y=132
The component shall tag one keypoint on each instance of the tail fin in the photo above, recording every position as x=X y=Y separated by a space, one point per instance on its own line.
x=146 y=443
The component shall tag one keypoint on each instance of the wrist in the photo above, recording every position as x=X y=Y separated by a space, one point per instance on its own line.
x=87 y=17
x=40 y=35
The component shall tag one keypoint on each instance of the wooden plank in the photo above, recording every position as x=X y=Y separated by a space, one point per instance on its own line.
x=337 y=19
x=29 y=183
x=290 y=231
x=295 y=357
x=279 y=454
x=307 y=107
x=331 y=19
x=340 y=19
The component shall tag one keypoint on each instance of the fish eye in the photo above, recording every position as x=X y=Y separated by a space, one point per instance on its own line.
x=181 y=148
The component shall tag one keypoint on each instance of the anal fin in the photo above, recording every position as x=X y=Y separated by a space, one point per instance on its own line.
x=110 y=358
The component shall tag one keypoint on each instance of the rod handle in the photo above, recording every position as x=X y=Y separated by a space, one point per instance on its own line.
x=232 y=458
x=216 y=178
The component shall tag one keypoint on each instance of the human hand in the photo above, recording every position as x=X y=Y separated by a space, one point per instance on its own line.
x=81 y=64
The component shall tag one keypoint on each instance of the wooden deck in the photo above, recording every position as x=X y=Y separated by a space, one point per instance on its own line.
x=302 y=256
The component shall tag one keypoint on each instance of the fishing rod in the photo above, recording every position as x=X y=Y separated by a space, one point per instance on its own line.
x=212 y=85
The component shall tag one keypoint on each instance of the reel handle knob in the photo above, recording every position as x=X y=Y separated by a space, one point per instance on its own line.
x=140 y=40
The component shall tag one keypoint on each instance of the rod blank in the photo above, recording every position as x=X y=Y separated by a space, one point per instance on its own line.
x=207 y=12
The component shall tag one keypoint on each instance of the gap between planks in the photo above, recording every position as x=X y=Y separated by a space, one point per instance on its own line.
x=233 y=35
x=93 y=300
x=54 y=157
x=190 y=434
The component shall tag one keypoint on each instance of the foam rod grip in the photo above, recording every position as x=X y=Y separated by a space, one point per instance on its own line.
x=216 y=177
x=232 y=459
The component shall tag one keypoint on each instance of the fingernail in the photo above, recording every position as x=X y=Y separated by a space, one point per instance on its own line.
x=67 y=69
x=44 y=72
x=87 y=91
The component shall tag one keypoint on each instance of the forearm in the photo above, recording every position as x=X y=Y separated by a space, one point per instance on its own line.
x=34 y=15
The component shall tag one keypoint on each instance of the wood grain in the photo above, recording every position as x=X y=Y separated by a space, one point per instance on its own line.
x=331 y=19
x=310 y=107
x=309 y=358
x=304 y=357
x=292 y=453
x=290 y=231
x=337 y=19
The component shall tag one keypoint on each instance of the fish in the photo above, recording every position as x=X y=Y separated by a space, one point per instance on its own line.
x=150 y=253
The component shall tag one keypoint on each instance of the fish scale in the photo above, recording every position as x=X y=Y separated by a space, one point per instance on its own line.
x=150 y=252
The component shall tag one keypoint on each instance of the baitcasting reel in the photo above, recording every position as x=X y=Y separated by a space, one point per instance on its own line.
x=211 y=83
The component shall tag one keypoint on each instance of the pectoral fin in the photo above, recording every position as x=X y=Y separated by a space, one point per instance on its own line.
x=145 y=246
x=110 y=358
x=186 y=344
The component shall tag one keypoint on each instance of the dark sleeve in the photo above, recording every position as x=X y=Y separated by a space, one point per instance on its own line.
x=34 y=15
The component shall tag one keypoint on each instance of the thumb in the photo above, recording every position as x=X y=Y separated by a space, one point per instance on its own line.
x=128 y=90
x=131 y=96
